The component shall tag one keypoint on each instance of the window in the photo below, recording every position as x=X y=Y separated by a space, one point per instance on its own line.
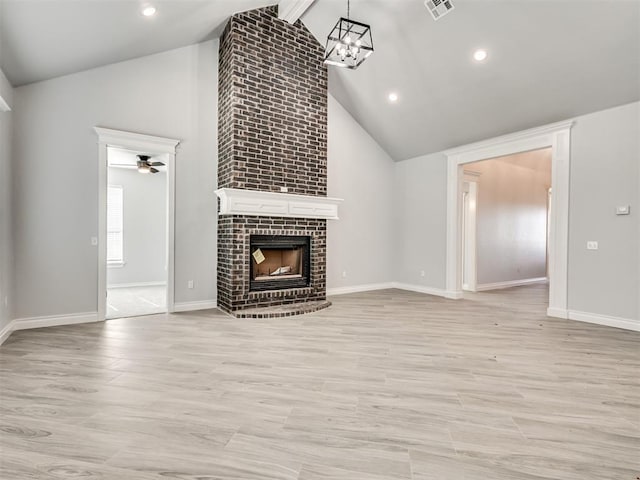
x=115 y=215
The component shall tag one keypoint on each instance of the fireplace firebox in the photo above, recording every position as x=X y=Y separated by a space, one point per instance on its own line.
x=279 y=262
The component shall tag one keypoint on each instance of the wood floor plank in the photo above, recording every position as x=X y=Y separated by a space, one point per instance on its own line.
x=382 y=385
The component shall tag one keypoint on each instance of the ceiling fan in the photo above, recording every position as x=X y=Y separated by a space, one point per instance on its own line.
x=143 y=165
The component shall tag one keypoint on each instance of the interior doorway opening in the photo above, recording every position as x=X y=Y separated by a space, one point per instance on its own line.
x=161 y=148
x=557 y=136
x=136 y=260
x=505 y=221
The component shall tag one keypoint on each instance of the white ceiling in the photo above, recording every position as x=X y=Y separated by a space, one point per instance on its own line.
x=42 y=39
x=548 y=59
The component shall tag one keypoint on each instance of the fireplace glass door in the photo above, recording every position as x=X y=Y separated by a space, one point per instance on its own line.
x=279 y=262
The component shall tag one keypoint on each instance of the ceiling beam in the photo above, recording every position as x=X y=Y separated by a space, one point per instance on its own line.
x=292 y=10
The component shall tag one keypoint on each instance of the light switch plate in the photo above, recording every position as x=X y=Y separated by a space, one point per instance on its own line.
x=592 y=245
x=623 y=209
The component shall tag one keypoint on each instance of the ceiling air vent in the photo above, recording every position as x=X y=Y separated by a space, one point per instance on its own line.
x=438 y=8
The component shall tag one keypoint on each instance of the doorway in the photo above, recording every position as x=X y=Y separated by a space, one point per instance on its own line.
x=557 y=136
x=505 y=224
x=136 y=233
x=138 y=296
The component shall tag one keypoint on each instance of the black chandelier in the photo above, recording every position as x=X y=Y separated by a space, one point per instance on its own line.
x=349 y=43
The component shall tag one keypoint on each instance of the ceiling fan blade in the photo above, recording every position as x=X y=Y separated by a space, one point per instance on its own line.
x=153 y=170
x=122 y=165
x=155 y=164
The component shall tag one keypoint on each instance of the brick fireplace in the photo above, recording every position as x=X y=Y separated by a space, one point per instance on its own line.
x=272 y=170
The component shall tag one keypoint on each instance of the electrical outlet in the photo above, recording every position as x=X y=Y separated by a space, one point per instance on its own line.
x=344 y=274
x=592 y=245
x=94 y=241
x=422 y=274
x=190 y=284
x=284 y=189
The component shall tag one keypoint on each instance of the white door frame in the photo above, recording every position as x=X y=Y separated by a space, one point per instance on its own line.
x=153 y=146
x=558 y=137
x=469 y=263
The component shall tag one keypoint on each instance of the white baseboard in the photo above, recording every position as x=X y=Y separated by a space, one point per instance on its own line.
x=359 y=288
x=617 y=322
x=48 y=321
x=438 y=292
x=557 y=313
x=192 y=306
x=141 y=284
x=6 y=331
x=508 y=284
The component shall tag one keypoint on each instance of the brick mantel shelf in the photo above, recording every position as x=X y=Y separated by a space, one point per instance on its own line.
x=234 y=201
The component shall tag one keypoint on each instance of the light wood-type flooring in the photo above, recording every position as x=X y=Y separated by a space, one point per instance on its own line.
x=386 y=385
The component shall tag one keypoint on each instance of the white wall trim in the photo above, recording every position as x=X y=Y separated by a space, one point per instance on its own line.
x=46 y=321
x=557 y=313
x=292 y=10
x=469 y=262
x=192 y=306
x=368 y=287
x=438 y=292
x=136 y=285
x=136 y=141
x=148 y=144
x=617 y=322
x=558 y=137
x=510 y=283
x=4 y=107
x=6 y=331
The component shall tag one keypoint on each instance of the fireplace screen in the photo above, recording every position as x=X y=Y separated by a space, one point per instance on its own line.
x=279 y=262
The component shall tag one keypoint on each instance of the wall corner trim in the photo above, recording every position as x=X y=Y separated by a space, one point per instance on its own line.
x=557 y=313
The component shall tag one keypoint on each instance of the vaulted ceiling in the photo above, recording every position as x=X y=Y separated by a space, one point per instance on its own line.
x=548 y=60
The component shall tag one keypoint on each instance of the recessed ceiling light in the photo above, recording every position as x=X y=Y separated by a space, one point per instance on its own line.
x=393 y=97
x=149 y=11
x=480 y=55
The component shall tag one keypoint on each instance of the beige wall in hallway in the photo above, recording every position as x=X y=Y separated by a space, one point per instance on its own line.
x=511 y=216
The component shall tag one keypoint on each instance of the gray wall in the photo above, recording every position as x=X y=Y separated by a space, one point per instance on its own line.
x=6 y=261
x=172 y=94
x=604 y=173
x=605 y=154
x=511 y=220
x=420 y=189
x=361 y=173
x=144 y=227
